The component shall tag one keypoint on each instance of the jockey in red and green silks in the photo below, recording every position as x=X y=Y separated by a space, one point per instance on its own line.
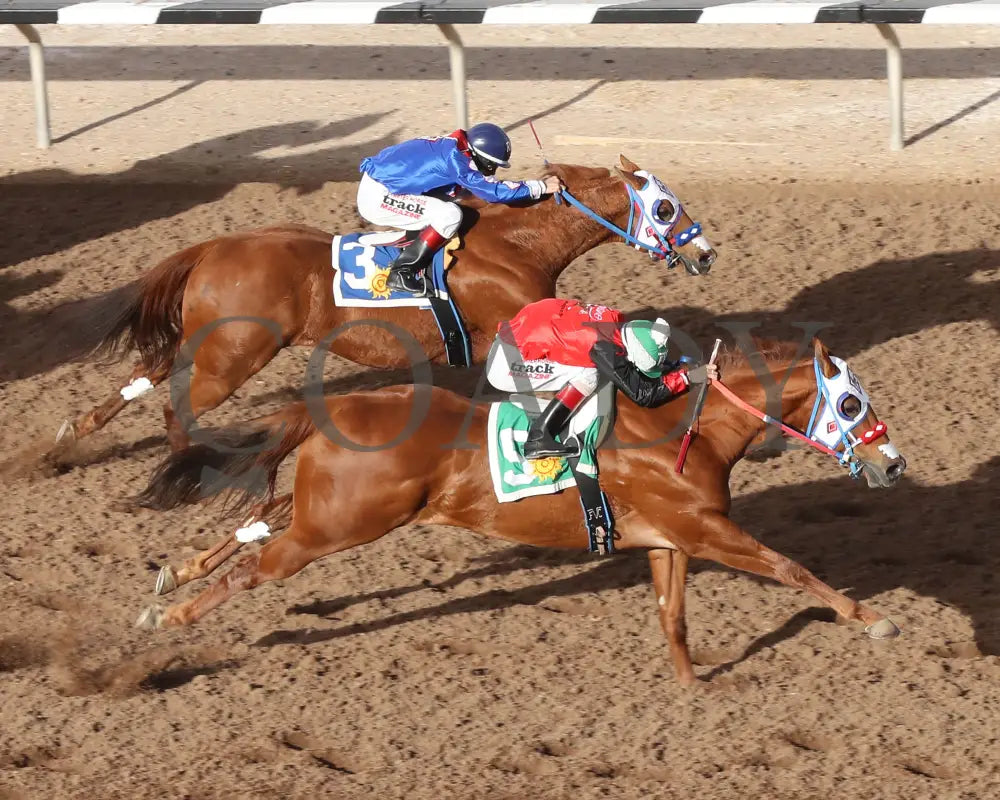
x=572 y=349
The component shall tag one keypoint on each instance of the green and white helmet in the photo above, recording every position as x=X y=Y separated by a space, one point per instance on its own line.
x=646 y=344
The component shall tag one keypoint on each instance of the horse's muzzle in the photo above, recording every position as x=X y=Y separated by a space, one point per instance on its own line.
x=882 y=477
x=701 y=265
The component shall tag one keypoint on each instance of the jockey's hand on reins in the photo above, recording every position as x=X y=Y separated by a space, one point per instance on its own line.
x=705 y=373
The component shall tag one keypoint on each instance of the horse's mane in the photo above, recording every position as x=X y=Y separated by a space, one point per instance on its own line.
x=771 y=350
x=574 y=174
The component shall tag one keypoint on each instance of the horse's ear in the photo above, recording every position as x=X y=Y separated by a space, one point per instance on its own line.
x=627 y=165
x=629 y=178
x=823 y=357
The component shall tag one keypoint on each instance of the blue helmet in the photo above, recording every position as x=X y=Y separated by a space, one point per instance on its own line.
x=490 y=147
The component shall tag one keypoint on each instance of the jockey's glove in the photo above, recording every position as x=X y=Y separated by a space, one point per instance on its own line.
x=537 y=188
x=698 y=374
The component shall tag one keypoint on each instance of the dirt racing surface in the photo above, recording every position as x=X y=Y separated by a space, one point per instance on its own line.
x=438 y=664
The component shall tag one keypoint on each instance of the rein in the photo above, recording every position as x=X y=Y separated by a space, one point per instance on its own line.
x=739 y=402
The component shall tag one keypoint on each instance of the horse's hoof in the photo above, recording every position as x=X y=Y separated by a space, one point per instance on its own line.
x=66 y=430
x=150 y=619
x=166 y=581
x=883 y=629
x=691 y=682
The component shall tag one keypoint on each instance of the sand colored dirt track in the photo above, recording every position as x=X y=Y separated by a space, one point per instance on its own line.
x=436 y=664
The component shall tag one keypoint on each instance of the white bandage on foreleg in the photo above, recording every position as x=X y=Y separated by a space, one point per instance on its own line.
x=252 y=533
x=136 y=387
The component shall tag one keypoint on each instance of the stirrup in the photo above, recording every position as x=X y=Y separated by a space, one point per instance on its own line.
x=404 y=280
x=549 y=449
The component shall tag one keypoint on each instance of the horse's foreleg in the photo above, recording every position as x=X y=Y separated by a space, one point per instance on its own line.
x=723 y=541
x=669 y=578
x=207 y=561
x=96 y=419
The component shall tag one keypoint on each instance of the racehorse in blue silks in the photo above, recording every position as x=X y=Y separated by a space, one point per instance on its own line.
x=233 y=302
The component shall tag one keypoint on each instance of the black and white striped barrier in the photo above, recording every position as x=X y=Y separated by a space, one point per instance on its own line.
x=448 y=13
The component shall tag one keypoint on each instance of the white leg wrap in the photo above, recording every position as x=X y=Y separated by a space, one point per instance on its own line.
x=136 y=387
x=252 y=533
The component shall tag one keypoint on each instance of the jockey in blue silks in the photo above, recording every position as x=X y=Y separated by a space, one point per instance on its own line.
x=415 y=185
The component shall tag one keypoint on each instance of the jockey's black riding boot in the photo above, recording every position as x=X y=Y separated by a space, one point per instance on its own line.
x=406 y=273
x=541 y=441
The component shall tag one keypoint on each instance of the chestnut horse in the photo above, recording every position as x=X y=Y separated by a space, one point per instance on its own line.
x=344 y=497
x=512 y=256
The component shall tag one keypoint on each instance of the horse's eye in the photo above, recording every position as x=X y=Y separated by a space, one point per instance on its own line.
x=664 y=211
x=850 y=406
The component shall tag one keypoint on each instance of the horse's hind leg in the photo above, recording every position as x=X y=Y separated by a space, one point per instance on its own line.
x=277 y=560
x=669 y=569
x=207 y=561
x=725 y=542
x=228 y=357
x=199 y=566
x=96 y=419
x=331 y=515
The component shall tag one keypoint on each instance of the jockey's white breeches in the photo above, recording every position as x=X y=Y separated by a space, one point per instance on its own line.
x=408 y=212
x=508 y=372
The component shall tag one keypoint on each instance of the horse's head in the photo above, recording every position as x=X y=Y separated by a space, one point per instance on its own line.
x=843 y=419
x=657 y=218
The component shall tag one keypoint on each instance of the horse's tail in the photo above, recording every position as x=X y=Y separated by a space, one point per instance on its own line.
x=241 y=461
x=144 y=315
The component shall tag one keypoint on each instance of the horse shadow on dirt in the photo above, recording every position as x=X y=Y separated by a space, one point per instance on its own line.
x=936 y=541
x=51 y=210
x=864 y=308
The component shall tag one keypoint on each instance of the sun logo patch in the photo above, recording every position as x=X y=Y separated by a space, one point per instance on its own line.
x=379 y=286
x=546 y=469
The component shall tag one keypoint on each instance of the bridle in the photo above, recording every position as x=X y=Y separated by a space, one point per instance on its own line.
x=847 y=457
x=639 y=216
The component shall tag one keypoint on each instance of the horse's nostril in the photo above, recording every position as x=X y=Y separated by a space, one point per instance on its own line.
x=895 y=470
x=706 y=259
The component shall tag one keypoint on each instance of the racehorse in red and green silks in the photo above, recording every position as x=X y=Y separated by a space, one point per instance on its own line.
x=367 y=480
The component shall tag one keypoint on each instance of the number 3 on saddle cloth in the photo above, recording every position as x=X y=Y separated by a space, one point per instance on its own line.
x=361 y=268
x=515 y=478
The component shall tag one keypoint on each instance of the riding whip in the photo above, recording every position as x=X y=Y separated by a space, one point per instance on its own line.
x=542 y=151
x=699 y=403
x=539 y=142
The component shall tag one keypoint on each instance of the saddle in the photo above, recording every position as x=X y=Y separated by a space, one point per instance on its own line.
x=515 y=478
